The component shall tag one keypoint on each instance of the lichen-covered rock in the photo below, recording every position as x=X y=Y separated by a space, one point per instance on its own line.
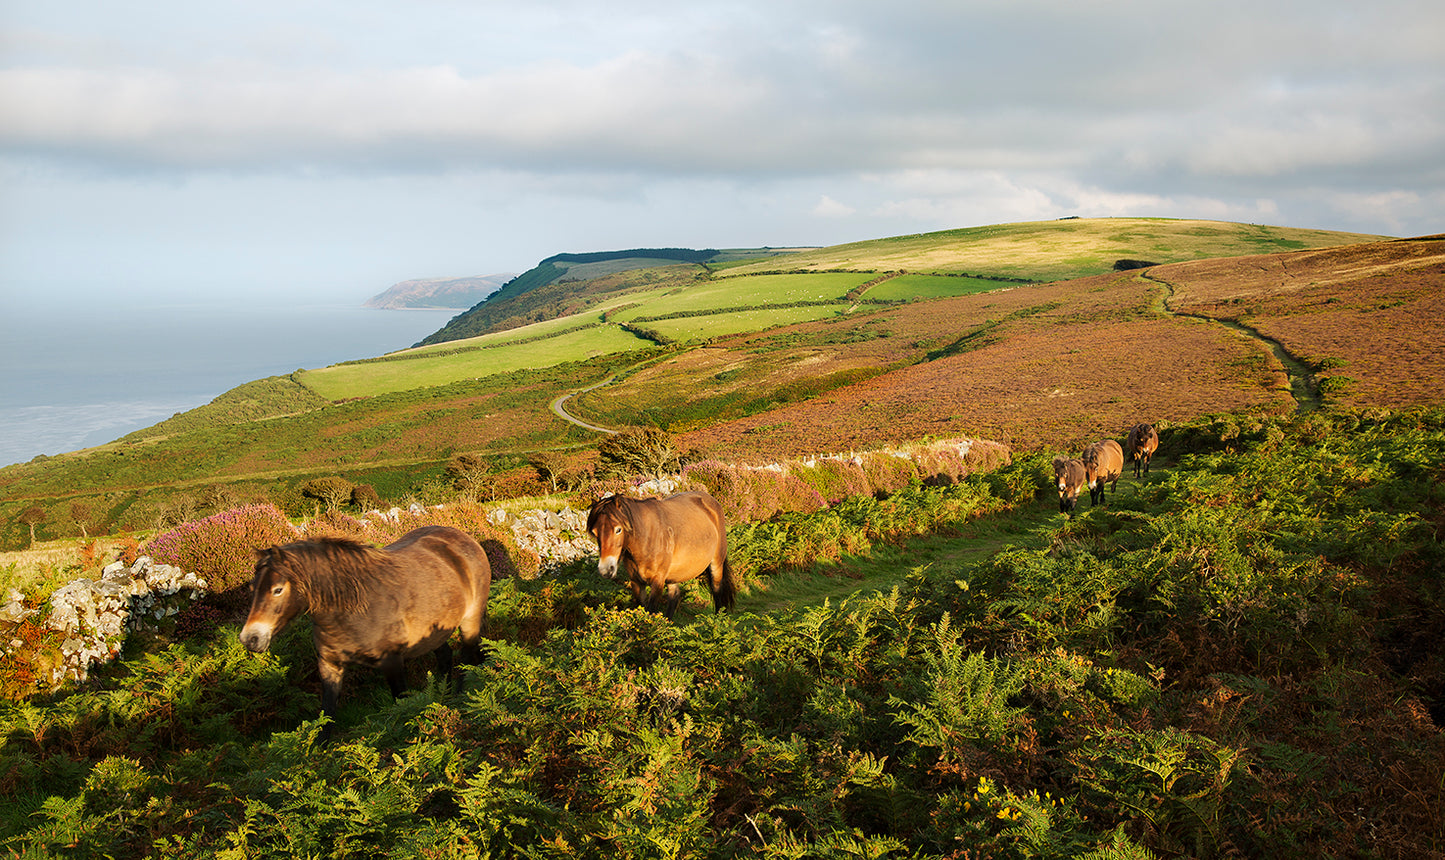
x=557 y=537
x=96 y=614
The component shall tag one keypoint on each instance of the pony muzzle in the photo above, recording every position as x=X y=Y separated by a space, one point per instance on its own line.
x=607 y=567
x=256 y=637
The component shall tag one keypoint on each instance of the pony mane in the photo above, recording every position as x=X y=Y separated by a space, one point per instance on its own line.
x=617 y=505
x=337 y=574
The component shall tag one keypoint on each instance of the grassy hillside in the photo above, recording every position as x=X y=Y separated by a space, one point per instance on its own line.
x=787 y=363
x=1056 y=250
x=553 y=286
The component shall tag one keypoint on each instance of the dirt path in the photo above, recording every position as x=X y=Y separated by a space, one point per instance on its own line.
x=1301 y=380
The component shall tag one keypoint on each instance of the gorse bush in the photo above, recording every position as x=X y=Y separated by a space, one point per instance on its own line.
x=221 y=548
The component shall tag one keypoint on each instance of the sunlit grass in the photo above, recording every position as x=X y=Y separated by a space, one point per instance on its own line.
x=38 y=570
x=1058 y=250
x=344 y=381
x=716 y=325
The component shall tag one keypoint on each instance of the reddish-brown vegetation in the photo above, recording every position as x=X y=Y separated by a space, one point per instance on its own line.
x=1057 y=364
x=1370 y=313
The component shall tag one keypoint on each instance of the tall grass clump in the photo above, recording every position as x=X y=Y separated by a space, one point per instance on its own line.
x=221 y=548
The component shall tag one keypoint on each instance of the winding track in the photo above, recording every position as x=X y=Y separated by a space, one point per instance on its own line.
x=559 y=407
x=1301 y=383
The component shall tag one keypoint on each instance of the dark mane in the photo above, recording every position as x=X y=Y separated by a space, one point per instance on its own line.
x=617 y=506
x=337 y=574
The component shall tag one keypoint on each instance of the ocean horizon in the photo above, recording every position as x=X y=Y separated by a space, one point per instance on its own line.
x=75 y=380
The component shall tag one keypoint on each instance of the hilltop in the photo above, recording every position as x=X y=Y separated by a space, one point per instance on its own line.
x=567 y=283
x=792 y=353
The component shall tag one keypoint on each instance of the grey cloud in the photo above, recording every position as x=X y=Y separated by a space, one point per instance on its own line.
x=1115 y=103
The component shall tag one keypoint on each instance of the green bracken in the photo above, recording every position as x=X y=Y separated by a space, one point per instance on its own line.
x=1234 y=656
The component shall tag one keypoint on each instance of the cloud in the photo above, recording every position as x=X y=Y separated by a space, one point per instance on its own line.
x=829 y=208
x=919 y=114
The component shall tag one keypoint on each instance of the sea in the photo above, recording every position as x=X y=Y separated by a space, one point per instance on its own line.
x=82 y=377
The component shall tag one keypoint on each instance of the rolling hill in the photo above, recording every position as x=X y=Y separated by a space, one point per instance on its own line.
x=810 y=351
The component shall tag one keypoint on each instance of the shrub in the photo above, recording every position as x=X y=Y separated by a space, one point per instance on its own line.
x=469 y=474
x=333 y=491
x=221 y=548
x=336 y=523
x=887 y=472
x=365 y=498
x=797 y=496
x=728 y=484
x=836 y=480
x=641 y=451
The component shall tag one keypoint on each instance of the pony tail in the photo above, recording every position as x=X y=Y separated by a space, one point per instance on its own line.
x=725 y=594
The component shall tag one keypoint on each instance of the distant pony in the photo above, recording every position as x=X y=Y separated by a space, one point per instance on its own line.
x=1070 y=477
x=1143 y=442
x=375 y=607
x=1103 y=464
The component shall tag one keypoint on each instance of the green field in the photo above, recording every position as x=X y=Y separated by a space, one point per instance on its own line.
x=368 y=379
x=742 y=304
x=716 y=325
x=910 y=286
x=753 y=292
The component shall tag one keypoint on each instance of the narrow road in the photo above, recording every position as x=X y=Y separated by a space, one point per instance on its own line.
x=559 y=407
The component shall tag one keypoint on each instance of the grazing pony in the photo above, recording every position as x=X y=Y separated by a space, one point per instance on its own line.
x=1103 y=463
x=374 y=607
x=1070 y=476
x=660 y=543
x=1143 y=442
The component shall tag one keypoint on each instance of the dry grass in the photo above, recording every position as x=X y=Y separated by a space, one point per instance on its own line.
x=47 y=565
x=1058 y=365
x=1057 y=249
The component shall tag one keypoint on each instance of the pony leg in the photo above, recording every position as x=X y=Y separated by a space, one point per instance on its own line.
x=720 y=578
x=331 y=674
x=444 y=663
x=470 y=632
x=639 y=595
x=393 y=669
x=674 y=597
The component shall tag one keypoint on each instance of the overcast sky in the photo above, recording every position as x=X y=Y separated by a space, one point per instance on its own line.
x=165 y=149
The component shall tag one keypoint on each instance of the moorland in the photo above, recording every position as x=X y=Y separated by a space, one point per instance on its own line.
x=1015 y=333
x=1238 y=654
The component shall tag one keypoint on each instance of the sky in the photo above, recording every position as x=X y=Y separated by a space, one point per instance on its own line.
x=172 y=151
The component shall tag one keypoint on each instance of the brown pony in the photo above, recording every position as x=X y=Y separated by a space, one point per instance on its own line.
x=663 y=542
x=1103 y=464
x=375 y=607
x=1069 y=474
x=1143 y=442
